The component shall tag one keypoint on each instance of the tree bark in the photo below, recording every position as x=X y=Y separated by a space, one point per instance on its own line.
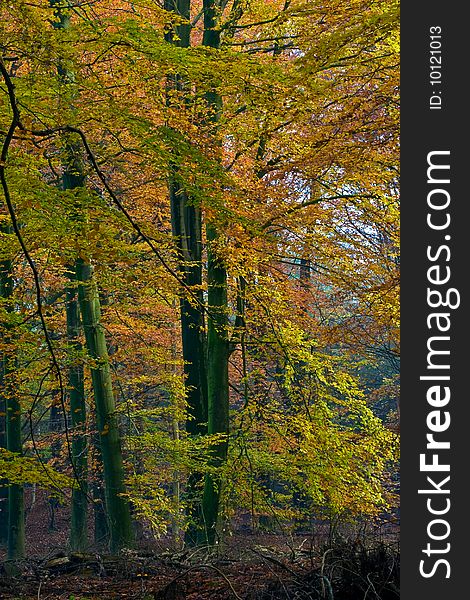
x=78 y=529
x=217 y=384
x=100 y=519
x=101 y=528
x=117 y=505
x=186 y=222
x=3 y=482
x=14 y=443
x=217 y=336
x=186 y=225
x=73 y=178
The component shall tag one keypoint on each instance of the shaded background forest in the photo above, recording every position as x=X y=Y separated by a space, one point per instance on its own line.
x=199 y=268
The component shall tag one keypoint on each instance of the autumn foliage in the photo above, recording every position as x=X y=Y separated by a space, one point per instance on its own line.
x=279 y=143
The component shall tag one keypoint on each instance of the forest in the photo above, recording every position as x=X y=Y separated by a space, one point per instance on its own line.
x=199 y=299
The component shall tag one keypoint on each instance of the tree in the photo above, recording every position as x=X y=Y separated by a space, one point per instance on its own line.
x=14 y=442
x=186 y=220
x=78 y=528
x=217 y=333
x=117 y=505
x=272 y=127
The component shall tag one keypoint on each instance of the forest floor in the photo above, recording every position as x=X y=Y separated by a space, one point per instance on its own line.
x=250 y=565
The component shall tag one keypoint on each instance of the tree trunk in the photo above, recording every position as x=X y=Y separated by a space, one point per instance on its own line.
x=101 y=529
x=117 y=505
x=78 y=530
x=186 y=222
x=55 y=427
x=186 y=225
x=16 y=534
x=217 y=384
x=217 y=335
x=187 y=231
x=72 y=178
x=3 y=482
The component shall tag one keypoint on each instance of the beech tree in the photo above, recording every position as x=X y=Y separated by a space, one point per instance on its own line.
x=224 y=174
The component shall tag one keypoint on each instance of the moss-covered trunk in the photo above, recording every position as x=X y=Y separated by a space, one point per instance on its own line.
x=117 y=505
x=217 y=384
x=217 y=335
x=78 y=527
x=100 y=520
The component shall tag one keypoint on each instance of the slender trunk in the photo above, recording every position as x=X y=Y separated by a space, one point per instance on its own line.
x=217 y=335
x=34 y=489
x=186 y=222
x=186 y=226
x=176 y=431
x=5 y=292
x=101 y=528
x=78 y=530
x=101 y=535
x=217 y=384
x=3 y=482
x=16 y=534
x=176 y=491
x=118 y=508
x=55 y=427
x=73 y=178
